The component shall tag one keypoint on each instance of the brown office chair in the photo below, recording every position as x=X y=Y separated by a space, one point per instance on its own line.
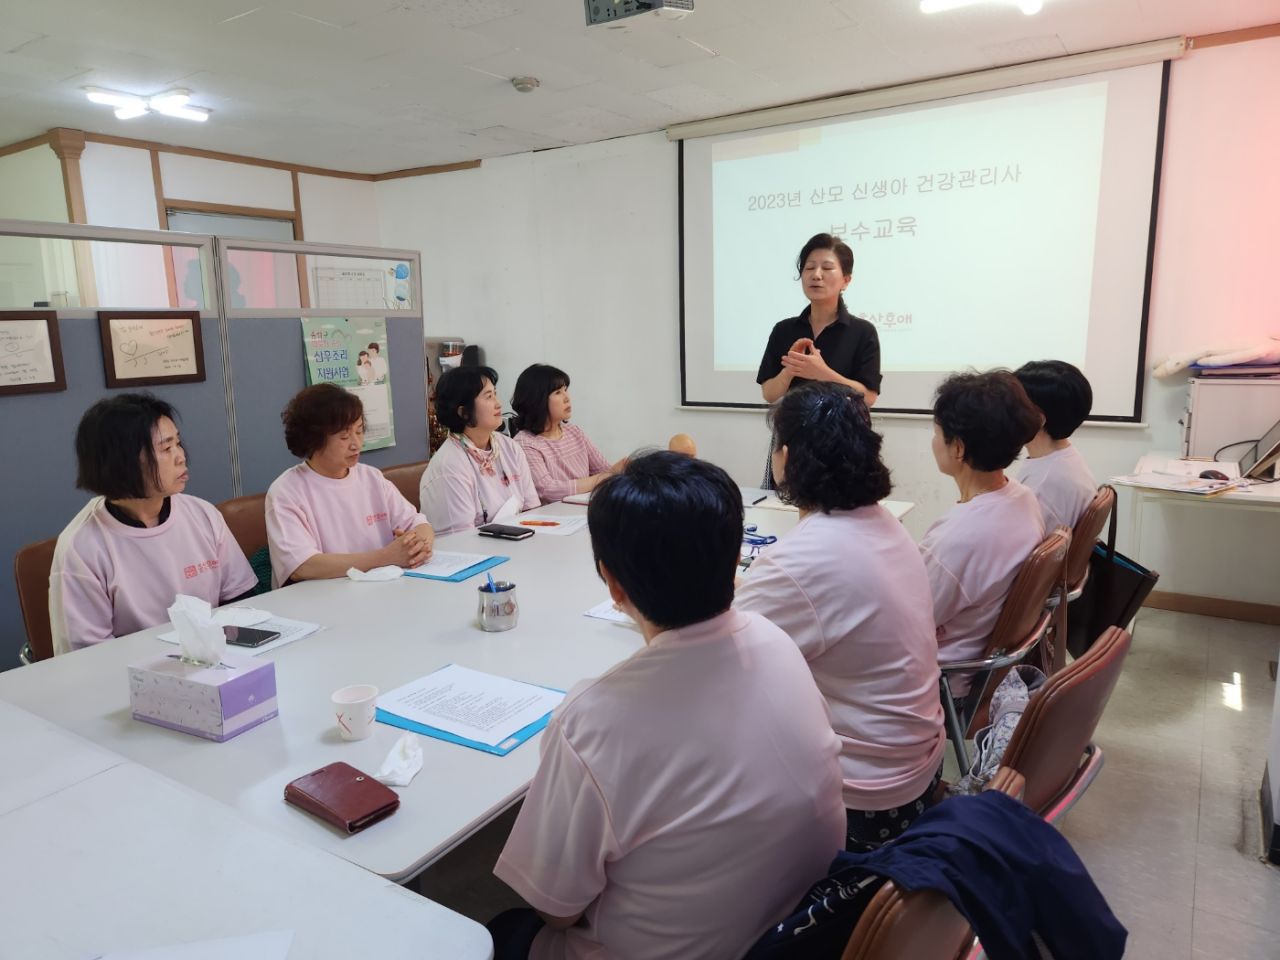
x=1086 y=533
x=1051 y=745
x=408 y=479
x=31 y=568
x=922 y=925
x=1083 y=538
x=1024 y=621
x=247 y=519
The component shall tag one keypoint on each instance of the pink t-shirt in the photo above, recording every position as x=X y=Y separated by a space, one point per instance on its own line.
x=556 y=464
x=973 y=554
x=457 y=495
x=685 y=800
x=1062 y=483
x=850 y=589
x=309 y=514
x=110 y=579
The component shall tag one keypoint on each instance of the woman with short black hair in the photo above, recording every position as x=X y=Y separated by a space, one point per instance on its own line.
x=561 y=456
x=825 y=343
x=1054 y=469
x=140 y=541
x=848 y=585
x=331 y=512
x=478 y=475
x=974 y=552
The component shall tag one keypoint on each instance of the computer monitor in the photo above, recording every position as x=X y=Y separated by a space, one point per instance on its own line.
x=1259 y=458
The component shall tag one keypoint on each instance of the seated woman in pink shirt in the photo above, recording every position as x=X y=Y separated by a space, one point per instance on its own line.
x=974 y=552
x=137 y=544
x=849 y=587
x=478 y=475
x=686 y=799
x=331 y=512
x=562 y=458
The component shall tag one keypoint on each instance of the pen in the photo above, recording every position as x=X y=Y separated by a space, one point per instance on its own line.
x=492 y=588
x=539 y=523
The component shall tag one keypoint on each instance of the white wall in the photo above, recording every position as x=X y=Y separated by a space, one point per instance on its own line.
x=570 y=257
x=119 y=192
x=337 y=210
x=33 y=270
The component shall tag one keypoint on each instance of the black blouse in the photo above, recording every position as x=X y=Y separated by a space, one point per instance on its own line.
x=850 y=347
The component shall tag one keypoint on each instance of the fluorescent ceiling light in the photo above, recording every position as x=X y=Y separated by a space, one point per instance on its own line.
x=171 y=103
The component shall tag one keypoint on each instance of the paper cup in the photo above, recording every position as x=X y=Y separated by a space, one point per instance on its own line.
x=354 y=708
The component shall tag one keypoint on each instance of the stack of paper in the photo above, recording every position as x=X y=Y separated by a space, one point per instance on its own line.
x=1193 y=485
x=471 y=708
x=289 y=630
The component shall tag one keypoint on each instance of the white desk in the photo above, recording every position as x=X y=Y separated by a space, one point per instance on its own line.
x=1258 y=497
x=382 y=633
x=126 y=858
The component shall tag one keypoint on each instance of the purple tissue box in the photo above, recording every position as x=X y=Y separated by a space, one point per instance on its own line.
x=216 y=703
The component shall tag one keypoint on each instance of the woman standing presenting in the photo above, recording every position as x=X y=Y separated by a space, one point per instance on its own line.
x=825 y=343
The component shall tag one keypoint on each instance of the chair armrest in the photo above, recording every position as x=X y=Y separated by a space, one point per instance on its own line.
x=1088 y=771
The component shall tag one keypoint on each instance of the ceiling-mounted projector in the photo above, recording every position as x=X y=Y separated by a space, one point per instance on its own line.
x=606 y=11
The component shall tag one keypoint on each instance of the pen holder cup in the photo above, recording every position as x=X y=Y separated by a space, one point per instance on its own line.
x=498 y=608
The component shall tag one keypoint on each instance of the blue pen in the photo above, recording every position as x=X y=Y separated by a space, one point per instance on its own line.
x=492 y=588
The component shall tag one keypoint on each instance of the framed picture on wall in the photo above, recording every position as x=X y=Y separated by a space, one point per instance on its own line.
x=30 y=352
x=151 y=347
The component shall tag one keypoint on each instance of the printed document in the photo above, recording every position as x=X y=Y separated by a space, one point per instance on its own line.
x=471 y=704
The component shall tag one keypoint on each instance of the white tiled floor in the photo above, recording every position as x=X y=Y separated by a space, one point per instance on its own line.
x=1169 y=829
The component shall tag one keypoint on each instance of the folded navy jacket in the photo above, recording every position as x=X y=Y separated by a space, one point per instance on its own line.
x=1010 y=874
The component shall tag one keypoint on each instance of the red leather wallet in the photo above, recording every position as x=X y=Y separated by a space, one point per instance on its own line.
x=343 y=796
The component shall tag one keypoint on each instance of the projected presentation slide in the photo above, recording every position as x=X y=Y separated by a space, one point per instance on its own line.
x=986 y=231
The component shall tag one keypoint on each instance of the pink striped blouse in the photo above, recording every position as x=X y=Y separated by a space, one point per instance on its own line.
x=557 y=464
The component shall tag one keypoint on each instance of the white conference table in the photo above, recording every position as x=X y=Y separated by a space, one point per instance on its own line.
x=105 y=855
x=385 y=633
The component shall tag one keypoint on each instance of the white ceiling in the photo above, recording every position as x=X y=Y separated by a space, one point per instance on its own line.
x=377 y=85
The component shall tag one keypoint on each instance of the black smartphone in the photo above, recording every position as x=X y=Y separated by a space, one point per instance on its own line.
x=248 y=636
x=503 y=532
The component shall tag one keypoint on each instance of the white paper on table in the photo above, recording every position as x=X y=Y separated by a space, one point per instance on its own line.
x=446 y=564
x=772 y=503
x=551 y=524
x=471 y=704
x=271 y=945
x=240 y=616
x=289 y=630
x=607 y=611
x=579 y=498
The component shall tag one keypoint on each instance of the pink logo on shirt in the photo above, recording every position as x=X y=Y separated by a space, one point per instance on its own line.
x=192 y=570
x=373 y=518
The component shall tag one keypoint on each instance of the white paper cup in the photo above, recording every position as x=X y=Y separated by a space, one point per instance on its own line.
x=354 y=708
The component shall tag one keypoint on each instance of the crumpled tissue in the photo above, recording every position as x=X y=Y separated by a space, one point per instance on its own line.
x=200 y=637
x=402 y=763
x=377 y=573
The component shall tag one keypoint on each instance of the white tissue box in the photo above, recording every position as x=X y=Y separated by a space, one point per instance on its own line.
x=216 y=703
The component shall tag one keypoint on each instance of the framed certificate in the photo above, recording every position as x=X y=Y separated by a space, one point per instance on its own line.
x=30 y=352
x=145 y=348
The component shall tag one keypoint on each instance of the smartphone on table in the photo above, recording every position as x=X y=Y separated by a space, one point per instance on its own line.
x=504 y=532
x=249 y=636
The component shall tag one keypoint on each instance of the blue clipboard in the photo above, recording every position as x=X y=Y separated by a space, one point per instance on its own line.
x=501 y=750
x=461 y=575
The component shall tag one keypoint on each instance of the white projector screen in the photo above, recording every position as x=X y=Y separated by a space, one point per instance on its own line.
x=987 y=230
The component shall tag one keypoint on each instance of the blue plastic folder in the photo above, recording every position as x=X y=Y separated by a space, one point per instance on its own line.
x=461 y=575
x=501 y=750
